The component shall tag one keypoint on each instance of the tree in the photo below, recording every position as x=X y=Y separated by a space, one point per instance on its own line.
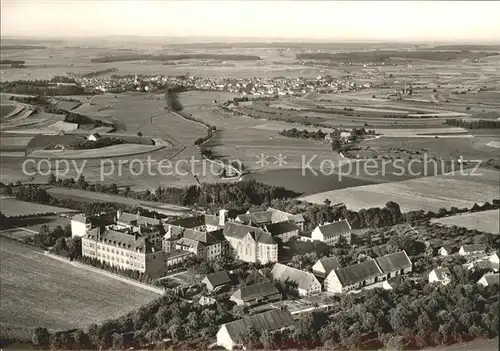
x=327 y=202
x=336 y=145
x=249 y=337
x=41 y=337
x=60 y=246
x=52 y=179
x=139 y=134
x=267 y=339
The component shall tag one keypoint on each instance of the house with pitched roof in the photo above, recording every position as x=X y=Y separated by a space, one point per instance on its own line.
x=276 y=320
x=126 y=220
x=256 y=294
x=445 y=250
x=489 y=279
x=440 y=275
x=302 y=282
x=330 y=233
x=204 y=223
x=353 y=277
x=474 y=249
x=325 y=265
x=216 y=281
x=394 y=264
x=283 y=231
x=251 y=244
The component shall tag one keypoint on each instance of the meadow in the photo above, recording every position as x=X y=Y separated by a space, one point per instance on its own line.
x=486 y=221
x=11 y=207
x=426 y=193
x=38 y=290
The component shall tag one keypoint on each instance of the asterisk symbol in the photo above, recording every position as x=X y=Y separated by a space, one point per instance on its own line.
x=262 y=160
x=280 y=160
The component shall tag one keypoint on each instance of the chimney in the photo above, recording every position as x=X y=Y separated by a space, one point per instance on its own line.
x=222 y=217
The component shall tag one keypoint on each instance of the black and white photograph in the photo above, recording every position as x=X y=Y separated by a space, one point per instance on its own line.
x=249 y=175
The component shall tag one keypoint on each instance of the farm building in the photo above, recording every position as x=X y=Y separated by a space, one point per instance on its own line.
x=251 y=244
x=394 y=264
x=489 y=279
x=216 y=281
x=273 y=321
x=283 y=230
x=256 y=294
x=324 y=266
x=440 y=275
x=474 y=249
x=303 y=283
x=81 y=224
x=330 y=233
x=353 y=277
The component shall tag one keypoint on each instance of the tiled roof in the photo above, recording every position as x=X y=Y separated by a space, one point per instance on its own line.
x=282 y=227
x=335 y=228
x=474 y=248
x=256 y=291
x=442 y=272
x=329 y=264
x=284 y=273
x=177 y=253
x=285 y=215
x=358 y=272
x=218 y=278
x=271 y=320
x=492 y=279
x=130 y=218
x=394 y=262
x=121 y=240
x=190 y=222
x=79 y=218
x=188 y=242
x=239 y=231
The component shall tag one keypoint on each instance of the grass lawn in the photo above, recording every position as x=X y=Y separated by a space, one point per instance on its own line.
x=38 y=290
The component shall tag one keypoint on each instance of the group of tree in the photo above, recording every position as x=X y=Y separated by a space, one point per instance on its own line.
x=165 y=318
x=474 y=124
x=40 y=87
x=303 y=134
x=232 y=196
x=99 y=143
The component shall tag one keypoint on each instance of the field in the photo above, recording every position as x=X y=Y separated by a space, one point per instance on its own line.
x=427 y=193
x=37 y=290
x=104 y=152
x=486 y=221
x=81 y=195
x=11 y=207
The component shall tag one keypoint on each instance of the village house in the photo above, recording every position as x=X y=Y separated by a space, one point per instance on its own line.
x=94 y=137
x=394 y=264
x=474 y=249
x=445 y=250
x=206 y=300
x=353 y=277
x=256 y=294
x=217 y=281
x=440 y=275
x=486 y=263
x=489 y=279
x=251 y=244
x=301 y=282
x=330 y=233
x=124 y=250
x=272 y=321
x=324 y=266
x=175 y=257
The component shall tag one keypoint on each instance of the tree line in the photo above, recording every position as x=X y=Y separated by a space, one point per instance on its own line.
x=470 y=124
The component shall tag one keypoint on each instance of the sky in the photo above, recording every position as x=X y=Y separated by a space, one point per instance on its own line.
x=341 y=20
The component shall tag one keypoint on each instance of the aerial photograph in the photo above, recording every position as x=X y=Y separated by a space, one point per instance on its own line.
x=249 y=175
